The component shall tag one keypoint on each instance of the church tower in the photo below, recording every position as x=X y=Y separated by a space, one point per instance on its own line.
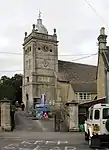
x=40 y=65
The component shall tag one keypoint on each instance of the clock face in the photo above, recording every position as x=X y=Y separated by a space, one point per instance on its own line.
x=45 y=48
x=45 y=63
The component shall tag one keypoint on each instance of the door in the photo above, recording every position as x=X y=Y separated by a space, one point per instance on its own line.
x=27 y=101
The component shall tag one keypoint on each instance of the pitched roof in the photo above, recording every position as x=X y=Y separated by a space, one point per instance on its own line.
x=81 y=76
x=85 y=87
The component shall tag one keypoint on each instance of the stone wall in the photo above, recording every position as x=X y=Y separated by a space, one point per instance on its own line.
x=68 y=116
x=65 y=91
x=101 y=79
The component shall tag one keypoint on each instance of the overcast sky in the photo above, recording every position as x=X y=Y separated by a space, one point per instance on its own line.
x=76 y=23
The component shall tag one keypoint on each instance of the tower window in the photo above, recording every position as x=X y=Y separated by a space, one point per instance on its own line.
x=27 y=97
x=29 y=65
x=50 y=50
x=26 y=64
x=27 y=79
x=26 y=51
x=38 y=48
x=30 y=48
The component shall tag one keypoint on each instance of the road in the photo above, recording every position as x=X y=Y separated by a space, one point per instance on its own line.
x=40 y=145
x=43 y=141
x=23 y=123
x=38 y=135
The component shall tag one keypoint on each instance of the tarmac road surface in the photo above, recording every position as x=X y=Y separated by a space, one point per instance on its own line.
x=43 y=141
x=38 y=135
x=23 y=123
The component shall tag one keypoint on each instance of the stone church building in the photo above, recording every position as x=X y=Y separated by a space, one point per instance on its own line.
x=60 y=81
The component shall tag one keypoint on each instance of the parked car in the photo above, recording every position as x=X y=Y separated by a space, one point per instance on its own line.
x=97 y=126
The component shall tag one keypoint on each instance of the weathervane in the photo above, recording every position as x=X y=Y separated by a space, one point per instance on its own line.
x=39 y=14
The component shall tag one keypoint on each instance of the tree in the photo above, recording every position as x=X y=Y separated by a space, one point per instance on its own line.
x=17 y=84
x=6 y=88
x=11 y=88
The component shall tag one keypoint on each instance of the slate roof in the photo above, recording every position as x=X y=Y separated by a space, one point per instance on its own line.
x=81 y=76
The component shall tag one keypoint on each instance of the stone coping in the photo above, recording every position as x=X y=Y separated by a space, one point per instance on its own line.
x=5 y=101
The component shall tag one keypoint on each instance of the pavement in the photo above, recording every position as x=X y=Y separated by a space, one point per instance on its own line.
x=38 y=135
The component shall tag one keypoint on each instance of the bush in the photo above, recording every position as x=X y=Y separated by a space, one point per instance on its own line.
x=81 y=127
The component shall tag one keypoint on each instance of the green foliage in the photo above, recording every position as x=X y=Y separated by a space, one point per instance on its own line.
x=11 y=87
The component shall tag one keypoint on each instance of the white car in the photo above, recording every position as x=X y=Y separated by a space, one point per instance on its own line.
x=97 y=126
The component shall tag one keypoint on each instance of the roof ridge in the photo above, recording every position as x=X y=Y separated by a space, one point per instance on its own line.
x=78 y=63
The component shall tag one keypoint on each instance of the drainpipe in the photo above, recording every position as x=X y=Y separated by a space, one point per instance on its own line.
x=106 y=80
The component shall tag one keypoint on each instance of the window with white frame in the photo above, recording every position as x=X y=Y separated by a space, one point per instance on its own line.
x=83 y=96
x=89 y=96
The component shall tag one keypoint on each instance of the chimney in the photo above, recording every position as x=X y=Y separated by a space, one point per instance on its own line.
x=102 y=39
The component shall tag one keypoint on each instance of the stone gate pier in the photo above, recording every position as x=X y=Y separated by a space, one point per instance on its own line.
x=5 y=115
x=72 y=108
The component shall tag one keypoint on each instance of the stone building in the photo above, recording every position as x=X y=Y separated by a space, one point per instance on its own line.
x=45 y=74
x=58 y=80
x=40 y=64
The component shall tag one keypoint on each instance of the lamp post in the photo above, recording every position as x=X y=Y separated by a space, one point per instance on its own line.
x=55 y=89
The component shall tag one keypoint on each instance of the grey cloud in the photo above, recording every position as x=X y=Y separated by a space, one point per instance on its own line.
x=9 y=62
x=77 y=26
